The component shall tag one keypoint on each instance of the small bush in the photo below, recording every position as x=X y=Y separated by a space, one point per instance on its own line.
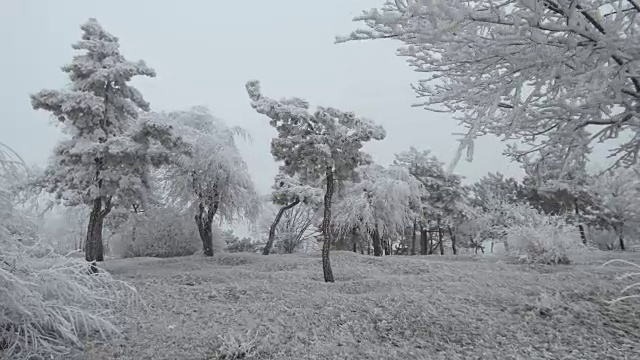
x=49 y=302
x=234 y=244
x=543 y=243
x=158 y=232
x=239 y=346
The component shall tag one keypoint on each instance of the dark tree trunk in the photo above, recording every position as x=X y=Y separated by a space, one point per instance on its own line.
x=440 y=238
x=205 y=228
x=583 y=235
x=94 y=247
x=387 y=246
x=377 y=243
x=326 y=227
x=354 y=239
x=204 y=221
x=274 y=226
x=620 y=232
x=453 y=241
x=492 y=242
x=423 y=241
x=413 y=239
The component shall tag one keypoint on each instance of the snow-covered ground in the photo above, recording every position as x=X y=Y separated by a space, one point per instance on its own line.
x=396 y=307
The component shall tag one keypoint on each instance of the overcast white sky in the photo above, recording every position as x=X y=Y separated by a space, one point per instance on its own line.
x=205 y=51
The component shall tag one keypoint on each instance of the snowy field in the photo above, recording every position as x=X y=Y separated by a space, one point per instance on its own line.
x=245 y=306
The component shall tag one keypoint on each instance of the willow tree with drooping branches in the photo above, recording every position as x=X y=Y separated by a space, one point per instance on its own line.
x=381 y=204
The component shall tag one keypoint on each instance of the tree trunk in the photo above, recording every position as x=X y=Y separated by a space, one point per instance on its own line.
x=492 y=242
x=377 y=243
x=204 y=221
x=620 y=232
x=387 y=246
x=274 y=225
x=583 y=235
x=326 y=227
x=205 y=228
x=94 y=248
x=413 y=238
x=423 y=241
x=453 y=241
x=354 y=239
x=440 y=238
x=430 y=248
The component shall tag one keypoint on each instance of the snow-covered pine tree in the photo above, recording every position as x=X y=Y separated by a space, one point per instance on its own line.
x=557 y=182
x=442 y=190
x=495 y=186
x=105 y=162
x=323 y=145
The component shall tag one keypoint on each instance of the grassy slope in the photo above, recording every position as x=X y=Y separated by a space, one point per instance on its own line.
x=379 y=308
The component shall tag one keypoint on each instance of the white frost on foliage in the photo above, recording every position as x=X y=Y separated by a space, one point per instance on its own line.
x=214 y=172
x=535 y=71
x=618 y=194
x=287 y=189
x=443 y=192
x=384 y=199
x=110 y=150
x=311 y=143
x=48 y=302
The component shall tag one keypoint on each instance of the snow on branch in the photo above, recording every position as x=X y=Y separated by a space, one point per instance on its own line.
x=214 y=171
x=528 y=70
x=287 y=189
x=309 y=143
x=385 y=199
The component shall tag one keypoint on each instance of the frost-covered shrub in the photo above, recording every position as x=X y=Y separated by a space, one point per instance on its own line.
x=546 y=242
x=239 y=346
x=48 y=302
x=157 y=232
x=235 y=244
x=528 y=234
x=631 y=291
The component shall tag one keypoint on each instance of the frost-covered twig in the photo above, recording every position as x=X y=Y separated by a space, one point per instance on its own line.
x=624 y=277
